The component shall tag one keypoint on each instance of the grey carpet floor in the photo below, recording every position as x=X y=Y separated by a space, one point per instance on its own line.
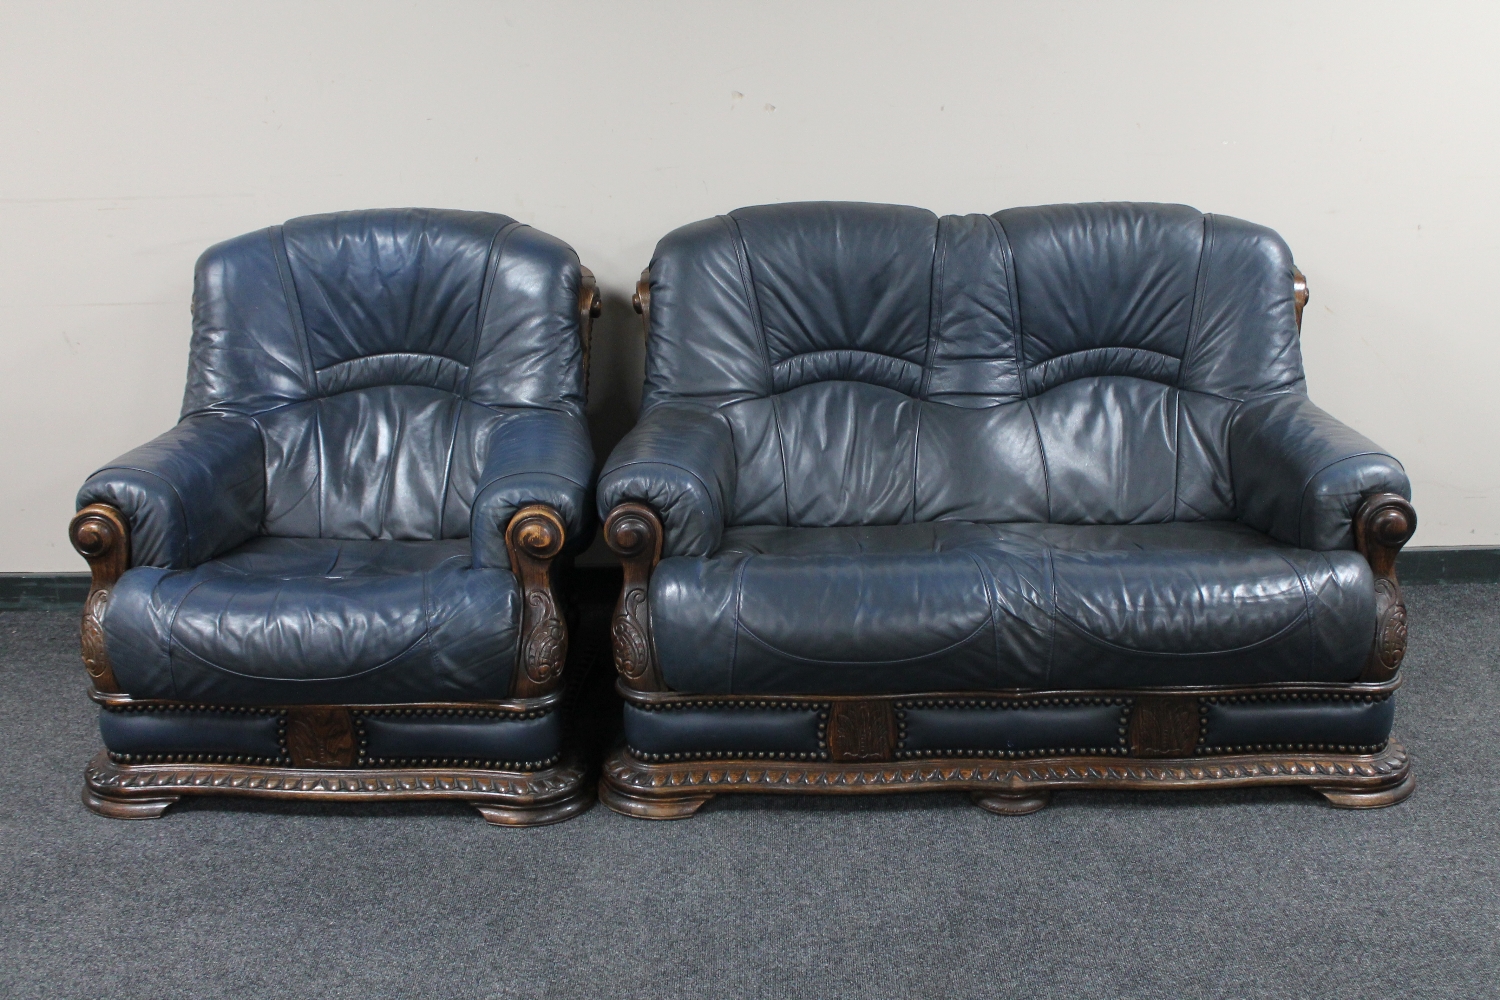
x=1258 y=894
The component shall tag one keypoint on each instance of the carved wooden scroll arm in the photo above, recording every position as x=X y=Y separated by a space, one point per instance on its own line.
x=642 y=300
x=101 y=535
x=590 y=305
x=1299 y=294
x=533 y=538
x=633 y=532
x=1384 y=523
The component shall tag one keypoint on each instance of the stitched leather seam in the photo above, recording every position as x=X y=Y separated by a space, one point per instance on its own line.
x=1195 y=320
x=936 y=293
x=403 y=654
x=293 y=302
x=491 y=275
x=1089 y=636
x=747 y=279
x=739 y=604
x=951 y=647
x=1312 y=643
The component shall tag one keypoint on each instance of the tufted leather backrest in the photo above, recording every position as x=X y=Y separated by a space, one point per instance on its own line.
x=378 y=351
x=879 y=365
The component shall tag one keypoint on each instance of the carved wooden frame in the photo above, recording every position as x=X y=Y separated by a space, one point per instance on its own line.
x=323 y=758
x=1162 y=748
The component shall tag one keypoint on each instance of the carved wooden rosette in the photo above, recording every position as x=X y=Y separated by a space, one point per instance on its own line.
x=633 y=532
x=1384 y=523
x=101 y=535
x=1299 y=295
x=641 y=300
x=590 y=305
x=320 y=736
x=1164 y=726
x=533 y=538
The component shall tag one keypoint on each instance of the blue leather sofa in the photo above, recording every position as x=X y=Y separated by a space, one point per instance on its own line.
x=1001 y=504
x=333 y=577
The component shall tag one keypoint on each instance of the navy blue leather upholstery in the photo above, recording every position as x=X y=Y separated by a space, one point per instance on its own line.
x=1066 y=446
x=370 y=397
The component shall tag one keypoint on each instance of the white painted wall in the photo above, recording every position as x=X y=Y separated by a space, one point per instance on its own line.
x=132 y=136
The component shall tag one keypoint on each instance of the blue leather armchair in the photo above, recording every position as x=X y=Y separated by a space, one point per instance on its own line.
x=998 y=503
x=333 y=577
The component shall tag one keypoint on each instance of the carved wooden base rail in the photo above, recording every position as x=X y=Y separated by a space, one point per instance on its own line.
x=1163 y=745
x=323 y=755
x=505 y=798
x=676 y=791
x=322 y=746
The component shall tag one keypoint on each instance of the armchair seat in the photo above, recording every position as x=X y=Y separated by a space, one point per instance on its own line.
x=963 y=606
x=318 y=621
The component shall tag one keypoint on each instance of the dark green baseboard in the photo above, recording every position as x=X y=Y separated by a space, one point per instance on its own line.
x=1455 y=564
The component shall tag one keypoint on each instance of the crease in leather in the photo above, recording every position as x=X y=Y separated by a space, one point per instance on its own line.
x=1084 y=632
x=1135 y=362
x=394 y=368
x=740 y=626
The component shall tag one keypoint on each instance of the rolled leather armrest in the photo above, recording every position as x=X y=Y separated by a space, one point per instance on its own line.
x=536 y=456
x=679 y=459
x=189 y=494
x=1299 y=474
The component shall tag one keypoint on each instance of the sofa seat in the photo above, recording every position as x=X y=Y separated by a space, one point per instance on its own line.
x=308 y=621
x=964 y=606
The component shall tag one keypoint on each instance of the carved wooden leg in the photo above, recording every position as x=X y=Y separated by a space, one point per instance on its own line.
x=120 y=807
x=651 y=807
x=540 y=815
x=534 y=537
x=633 y=532
x=1384 y=523
x=1378 y=798
x=1012 y=803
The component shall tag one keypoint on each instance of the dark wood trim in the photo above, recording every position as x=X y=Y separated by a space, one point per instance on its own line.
x=1300 y=294
x=1310 y=689
x=320 y=736
x=1164 y=726
x=1382 y=525
x=590 y=305
x=534 y=538
x=101 y=535
x=498 y=706
x=677 y=790
x=633 y=532
x=505 y=798
x=641 y=301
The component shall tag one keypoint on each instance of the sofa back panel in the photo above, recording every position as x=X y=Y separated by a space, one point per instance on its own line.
x=831 y=453
x=972 y=360
x=1110 y=448
x=1246 y=341
x=247 y=351
x=705 y=342
x=980 y=465
x=841 y=276
x=394 y=282
x=1072 y=363
x=365 y=464
x=356 y=339
x=1117 y=277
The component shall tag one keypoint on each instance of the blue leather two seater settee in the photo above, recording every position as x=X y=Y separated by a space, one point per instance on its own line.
x=1001 y=504
x=333 y=578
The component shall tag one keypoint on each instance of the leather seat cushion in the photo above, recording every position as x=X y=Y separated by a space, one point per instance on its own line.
x=964 y=606
x=308 y=620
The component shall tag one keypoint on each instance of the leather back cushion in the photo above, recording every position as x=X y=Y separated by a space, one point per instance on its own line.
x=1069 y=363
x=377 y=350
